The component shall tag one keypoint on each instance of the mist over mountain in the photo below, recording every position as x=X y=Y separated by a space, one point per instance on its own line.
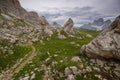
x=81 y=11
x=97 y=25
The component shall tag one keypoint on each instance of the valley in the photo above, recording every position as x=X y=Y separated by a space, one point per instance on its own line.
x=33 y=49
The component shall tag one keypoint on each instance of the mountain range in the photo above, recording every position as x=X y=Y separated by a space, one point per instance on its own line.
x=97 y=25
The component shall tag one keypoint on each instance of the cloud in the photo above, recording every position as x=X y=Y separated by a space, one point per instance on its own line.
x=79 y=15
x=81 y=11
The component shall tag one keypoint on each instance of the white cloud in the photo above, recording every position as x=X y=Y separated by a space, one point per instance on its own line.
x=82 y=11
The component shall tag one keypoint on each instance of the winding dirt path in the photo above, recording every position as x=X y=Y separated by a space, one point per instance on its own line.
x=8 y=74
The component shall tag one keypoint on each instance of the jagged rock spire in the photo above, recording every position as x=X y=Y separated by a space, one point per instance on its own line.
x=68 y=27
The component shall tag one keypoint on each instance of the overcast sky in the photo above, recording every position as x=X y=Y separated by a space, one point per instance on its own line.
x=81 y=11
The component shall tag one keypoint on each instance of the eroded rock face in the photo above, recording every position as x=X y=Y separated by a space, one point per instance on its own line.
x=12 y=6
x=33 y=17
x=43 y=21
x=68 y=27
x=106 y=45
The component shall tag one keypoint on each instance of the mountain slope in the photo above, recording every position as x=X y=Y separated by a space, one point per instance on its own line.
x=14 y=7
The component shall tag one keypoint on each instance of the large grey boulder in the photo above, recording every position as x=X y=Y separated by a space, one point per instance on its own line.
x=106 y=45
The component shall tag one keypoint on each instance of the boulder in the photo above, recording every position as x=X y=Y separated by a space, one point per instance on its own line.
x=71 y=77
x=106 y=45
x=48 y=32
x=60 y=36
x=71 y=70
x=68 y=27
x=88 y=35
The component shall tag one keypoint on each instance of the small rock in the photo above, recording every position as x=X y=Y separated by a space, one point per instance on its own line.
x=80 y=38
x=71 y=77
x=117 y=73
x=74 y=70
x=89 y=36
x=67 y=71
x=76 y=59
x=32 y=76
x=72 y=43
x=60 y=36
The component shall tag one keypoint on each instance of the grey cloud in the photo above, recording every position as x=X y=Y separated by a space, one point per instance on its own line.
x=82 y=11
x=79 y=15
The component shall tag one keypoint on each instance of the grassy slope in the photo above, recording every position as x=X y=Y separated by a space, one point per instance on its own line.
x=7 y=60
x=62 y=48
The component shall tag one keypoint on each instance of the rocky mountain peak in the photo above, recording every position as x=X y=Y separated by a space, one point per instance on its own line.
x=98 y=22
x=100 y=19
x=108 y=21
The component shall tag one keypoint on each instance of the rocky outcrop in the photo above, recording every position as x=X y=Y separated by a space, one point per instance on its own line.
x=68 y=27
x=13 y=7
x=106 y=45
x=48 y=32
x=33 y=17
x=16 y=30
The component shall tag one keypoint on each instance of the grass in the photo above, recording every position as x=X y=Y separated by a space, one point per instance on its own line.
x=58 y=50
x=7 y=59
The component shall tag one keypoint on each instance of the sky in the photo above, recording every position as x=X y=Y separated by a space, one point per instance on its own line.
x=81 y=11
